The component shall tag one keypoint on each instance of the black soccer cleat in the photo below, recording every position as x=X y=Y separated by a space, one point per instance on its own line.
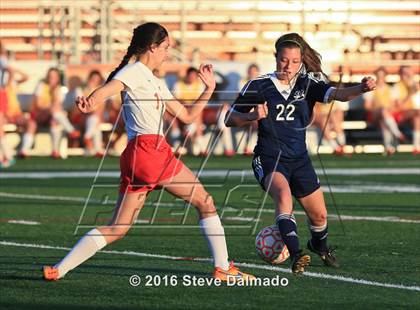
x=299 y=262
x=327 y=257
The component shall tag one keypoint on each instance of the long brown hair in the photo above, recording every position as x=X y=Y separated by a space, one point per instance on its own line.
x=310 y=57
x=144 y=36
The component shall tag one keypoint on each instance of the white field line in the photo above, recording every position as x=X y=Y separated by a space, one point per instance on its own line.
x=239 y=218
x=255 y=266
x=392 y=219
x=23 y=222
x=205 y=173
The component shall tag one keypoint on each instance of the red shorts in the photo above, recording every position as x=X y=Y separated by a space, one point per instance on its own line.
x=398 y=116
x=3 y=101
x=370 y=118
x=147 y=161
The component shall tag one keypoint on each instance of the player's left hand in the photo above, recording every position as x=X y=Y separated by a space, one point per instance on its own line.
x=205 y=72
x=85 y=104
x=368 y=84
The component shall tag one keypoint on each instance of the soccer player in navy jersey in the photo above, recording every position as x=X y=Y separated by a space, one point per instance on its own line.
x=283 y=102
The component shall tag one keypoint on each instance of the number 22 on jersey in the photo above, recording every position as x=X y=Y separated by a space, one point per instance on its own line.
x=285 y=112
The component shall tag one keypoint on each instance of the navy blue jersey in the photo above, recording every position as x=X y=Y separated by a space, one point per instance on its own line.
x=284 y=129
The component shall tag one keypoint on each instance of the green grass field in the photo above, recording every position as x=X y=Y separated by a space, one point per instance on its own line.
x=377 y=235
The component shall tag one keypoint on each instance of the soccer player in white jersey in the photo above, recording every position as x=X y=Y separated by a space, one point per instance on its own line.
x=148 y=161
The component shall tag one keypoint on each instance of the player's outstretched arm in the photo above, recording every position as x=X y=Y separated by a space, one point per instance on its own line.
x=99 y=95
x=349 y=93
x=238 y=119
x=188 y=116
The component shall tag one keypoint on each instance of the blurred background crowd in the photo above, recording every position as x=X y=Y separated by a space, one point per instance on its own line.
x=53 y=51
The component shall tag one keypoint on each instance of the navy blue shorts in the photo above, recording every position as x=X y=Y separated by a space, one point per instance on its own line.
x=299 y=173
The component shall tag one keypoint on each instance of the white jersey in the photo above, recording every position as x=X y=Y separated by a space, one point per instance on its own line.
x=144 y=99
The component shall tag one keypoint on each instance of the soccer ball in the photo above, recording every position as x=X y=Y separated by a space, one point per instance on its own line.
x=270 y=246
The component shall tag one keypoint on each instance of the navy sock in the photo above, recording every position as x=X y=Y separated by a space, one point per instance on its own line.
x=319 y=237
x=288 y=231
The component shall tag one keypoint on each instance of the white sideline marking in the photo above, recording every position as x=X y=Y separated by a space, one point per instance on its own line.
x=256 y=266
x=334 y=277
x=205 y=173
x=392 y=219
x=239 y=218
x=23 y=222
x=43 y=197
x=140 y=221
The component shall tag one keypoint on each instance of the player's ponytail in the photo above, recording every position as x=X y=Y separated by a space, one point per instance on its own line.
x=310 y=57
x=144 y=36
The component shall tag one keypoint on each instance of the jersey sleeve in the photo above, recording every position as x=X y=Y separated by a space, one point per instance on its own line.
x=319 y=89
x=129 y=76
x=248 y=98
x=166 y=93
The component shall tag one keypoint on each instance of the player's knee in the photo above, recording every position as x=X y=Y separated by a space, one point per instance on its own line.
x=206 y=205
x=319 y=218
x=117 y=232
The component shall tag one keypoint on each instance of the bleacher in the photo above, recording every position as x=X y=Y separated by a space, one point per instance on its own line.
x=233 y=30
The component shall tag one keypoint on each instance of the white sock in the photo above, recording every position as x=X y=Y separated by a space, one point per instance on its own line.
x=97 y=141
x=4 y=149
x=416 y=138
x=92 y=122
x=200 y=144
x=215 y=235
x=55 y=132
x=333 y=143
x=227 y=139
x=392 y=125
x=27 y=141
x=387 y=136
x=62 y=119
x=84 y=249
x=341 y=139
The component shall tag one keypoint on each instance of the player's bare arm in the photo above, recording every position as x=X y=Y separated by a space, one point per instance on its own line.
x=239 y=119
x=349 y=93
x=188 y=116
x=90 y=103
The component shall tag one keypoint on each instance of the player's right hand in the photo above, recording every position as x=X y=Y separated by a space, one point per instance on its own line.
x=84 y=104
x=260 y=111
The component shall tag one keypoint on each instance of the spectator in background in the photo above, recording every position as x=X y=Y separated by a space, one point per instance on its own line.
x=113 y=116
x=407 y=104
x=187 y=91
x=47 y=110
x=92 y=137
x=253 y=72
x=218 y=98
x=379 y=107
x=74 y=89
x=321 y=120
x=10 y=111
